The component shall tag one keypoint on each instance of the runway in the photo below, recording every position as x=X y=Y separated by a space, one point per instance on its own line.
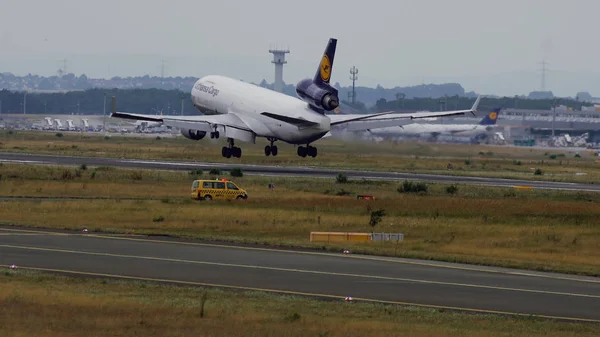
x=326 y=275
x=286 y=171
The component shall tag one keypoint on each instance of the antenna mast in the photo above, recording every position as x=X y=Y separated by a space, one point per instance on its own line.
x=162 y=69
x=543 y=70
x=353 y=77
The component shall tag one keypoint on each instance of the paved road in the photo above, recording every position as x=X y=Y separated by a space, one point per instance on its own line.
x=285 y=171
x=365 y=278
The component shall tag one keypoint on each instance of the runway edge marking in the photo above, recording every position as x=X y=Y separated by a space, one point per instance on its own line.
x=430 y=306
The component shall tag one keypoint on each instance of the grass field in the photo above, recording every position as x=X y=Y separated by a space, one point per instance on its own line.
x=474 y=160
x=33 y=304
x=543 y=230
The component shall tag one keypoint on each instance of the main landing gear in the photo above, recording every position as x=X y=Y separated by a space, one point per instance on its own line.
x=231 y=150
x=271 y=149
x=307 y=151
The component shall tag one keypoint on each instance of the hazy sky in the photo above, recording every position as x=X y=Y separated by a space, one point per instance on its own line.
x=492 y=47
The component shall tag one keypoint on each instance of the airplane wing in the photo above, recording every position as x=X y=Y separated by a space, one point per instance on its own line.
x=202 y=123
x=230 y=124
x=394 y=119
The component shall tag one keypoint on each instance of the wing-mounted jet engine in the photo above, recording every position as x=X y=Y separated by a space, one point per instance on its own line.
x=193 y=134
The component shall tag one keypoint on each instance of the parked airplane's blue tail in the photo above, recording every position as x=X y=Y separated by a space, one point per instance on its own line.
x=491 y=118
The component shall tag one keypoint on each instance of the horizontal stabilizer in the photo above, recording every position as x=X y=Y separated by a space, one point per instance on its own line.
x=290 y=120
x=341 y=119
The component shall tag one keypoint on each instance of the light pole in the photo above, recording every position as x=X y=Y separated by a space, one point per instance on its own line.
x=104 y=114
x=182 y=97
x=553 y=115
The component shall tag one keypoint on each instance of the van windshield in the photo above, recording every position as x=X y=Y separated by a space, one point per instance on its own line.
x=195 y=184
x=231 y=186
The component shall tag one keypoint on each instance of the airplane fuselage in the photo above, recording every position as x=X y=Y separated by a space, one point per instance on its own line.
x=425 y=130
x=214 y=94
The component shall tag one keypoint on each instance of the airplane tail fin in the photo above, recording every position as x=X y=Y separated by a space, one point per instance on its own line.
x=323 y=74
x=490 y=118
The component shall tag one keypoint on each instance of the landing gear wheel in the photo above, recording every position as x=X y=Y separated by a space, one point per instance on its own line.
x=271 y=149
x=302 y=151
x=226 y=152
x=236 y=152
x=231 y=150
x=307 y=151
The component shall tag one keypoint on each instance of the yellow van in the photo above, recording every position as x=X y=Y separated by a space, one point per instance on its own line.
x=217 y=189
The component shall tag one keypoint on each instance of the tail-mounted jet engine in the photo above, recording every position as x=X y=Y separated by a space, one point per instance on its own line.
x=321 y=97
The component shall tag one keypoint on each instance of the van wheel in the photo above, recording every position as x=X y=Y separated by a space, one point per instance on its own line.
x=240 y=197
x=207 y=197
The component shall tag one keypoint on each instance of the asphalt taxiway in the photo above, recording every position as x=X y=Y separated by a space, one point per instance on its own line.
x=327 y=275
x=286 y=171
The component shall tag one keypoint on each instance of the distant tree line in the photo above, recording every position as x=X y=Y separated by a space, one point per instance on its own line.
x=155 y=101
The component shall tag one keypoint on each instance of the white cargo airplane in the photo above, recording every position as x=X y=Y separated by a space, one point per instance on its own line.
x=244 y=111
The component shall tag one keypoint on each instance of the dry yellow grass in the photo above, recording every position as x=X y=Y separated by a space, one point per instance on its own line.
x=547 y=230
x=33 y=304
x=485 y=161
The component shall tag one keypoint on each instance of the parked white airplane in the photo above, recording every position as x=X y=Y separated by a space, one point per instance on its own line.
x=476 y=131
x=244 y=111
